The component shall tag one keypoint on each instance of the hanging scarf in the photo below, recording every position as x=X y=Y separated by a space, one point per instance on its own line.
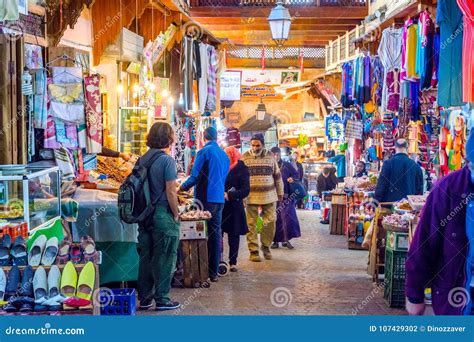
x=234 y=156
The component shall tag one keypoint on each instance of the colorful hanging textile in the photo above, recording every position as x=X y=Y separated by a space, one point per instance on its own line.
x=64 y=162
x=33 y=56
x=467 y=8
x=211 y=80
x=40 y=100
x=93 y=111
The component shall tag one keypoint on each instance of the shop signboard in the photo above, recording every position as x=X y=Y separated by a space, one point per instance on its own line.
x=310 y=129
x=257 y=83
x=230 y=85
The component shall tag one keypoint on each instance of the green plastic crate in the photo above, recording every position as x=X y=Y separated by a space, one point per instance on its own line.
x=394 y=292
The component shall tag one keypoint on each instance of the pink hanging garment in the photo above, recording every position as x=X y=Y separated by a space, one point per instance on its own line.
x=93 y=109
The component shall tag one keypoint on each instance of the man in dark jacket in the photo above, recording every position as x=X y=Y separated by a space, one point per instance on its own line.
x=400 y=176
x=441 y=255
x=208 y=174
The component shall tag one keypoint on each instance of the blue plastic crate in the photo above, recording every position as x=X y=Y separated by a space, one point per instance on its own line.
x=118 y=302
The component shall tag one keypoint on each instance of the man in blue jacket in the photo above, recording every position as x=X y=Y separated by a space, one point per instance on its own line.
x=208 y=174
x=400 y=176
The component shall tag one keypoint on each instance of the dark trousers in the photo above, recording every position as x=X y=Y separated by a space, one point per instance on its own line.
x=158 y=248
x=234 y=244
x=214 y=236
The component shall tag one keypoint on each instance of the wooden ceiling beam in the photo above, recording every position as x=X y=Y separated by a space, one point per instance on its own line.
x=267 y=34
x=262 y=12
x=263 y=20
x=294 y=27
x=290 y=42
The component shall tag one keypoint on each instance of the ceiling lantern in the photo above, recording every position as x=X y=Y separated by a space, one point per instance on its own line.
x=280 y=22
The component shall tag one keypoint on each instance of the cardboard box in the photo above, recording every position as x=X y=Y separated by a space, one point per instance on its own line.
x=193 y=230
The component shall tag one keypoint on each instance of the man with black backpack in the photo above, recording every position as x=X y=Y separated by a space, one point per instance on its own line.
x=208 y=174
x=148 y=197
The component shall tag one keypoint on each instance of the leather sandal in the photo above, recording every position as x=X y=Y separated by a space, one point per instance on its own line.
x=75 y=254
x=63 y=252
x=89 y=250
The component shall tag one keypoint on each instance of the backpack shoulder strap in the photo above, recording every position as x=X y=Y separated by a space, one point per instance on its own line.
x=155 y=156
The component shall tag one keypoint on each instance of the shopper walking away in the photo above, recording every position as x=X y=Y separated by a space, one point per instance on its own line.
x=287 y=224
x=158 y=240
x=296 y=162
x=208 y=174
x=400 y=176
x=441 y=255
x=237 y=188
x=266 y=189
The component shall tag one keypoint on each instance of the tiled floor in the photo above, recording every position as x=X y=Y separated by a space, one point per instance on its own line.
x=319 y=277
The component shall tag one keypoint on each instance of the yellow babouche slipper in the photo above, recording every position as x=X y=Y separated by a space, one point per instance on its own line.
x=69 y=280
x=85 y=285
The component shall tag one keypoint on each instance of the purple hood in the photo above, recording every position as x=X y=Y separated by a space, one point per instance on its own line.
x=440 y=248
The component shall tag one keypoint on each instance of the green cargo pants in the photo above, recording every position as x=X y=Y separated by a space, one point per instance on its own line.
x=268 y=230
x=158 y=251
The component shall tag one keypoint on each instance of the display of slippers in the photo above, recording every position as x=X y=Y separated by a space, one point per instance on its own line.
x=75 y=254
x=89 y=250
x=13 y=282
x=18 y=252
x=85 y=284
x=79 y=291
x=63 y=252
x=5 y=244
x=69 y=280
x=3 y=284
x=50 y=252
x=36 y=251
x=40 y=288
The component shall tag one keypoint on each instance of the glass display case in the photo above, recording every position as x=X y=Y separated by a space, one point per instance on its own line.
x=134 y=124
x=29 y=195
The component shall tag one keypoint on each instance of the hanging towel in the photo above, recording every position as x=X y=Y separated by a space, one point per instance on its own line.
x=82 y=137
x=68 y=112
x=211 y=80
x=40 y=99
x=64 y=162
x=93 y=111
x=9 y=10
x=66 y=75
x=33 y=56
x=50 y=140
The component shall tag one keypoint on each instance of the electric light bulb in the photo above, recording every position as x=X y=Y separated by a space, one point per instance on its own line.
x=136 y=88
x=181 y=99
x=152 y=86
x=165 y=93
x=170 y=100
x=120 y=88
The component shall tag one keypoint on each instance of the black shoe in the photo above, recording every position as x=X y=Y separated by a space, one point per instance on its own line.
x=167 y=306
x=214 y=279
x=275 y=245
x=324 y=221
x=145 y=305
x=287 y=245
x=233 y=268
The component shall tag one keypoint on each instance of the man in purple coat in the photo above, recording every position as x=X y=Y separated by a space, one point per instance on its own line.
x=441 y=255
